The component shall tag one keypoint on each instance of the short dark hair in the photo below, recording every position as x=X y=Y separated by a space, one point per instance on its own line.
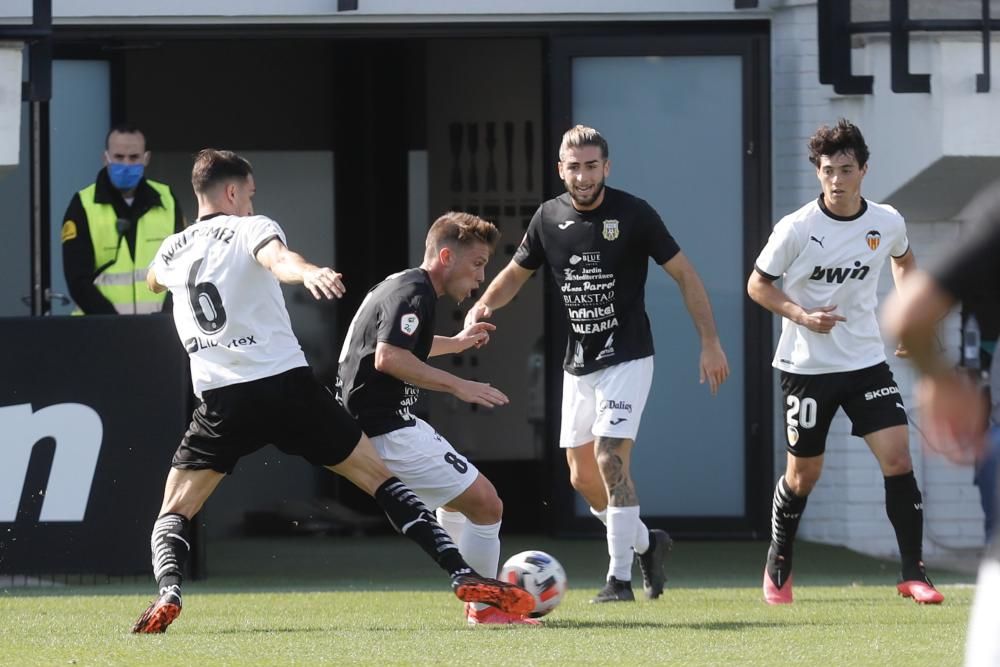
x=462 y=229
x=844 y=137
x=123 y=128
x=581 y=135
x=212 y=167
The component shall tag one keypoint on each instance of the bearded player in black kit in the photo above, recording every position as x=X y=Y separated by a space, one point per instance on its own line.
x=597 y=241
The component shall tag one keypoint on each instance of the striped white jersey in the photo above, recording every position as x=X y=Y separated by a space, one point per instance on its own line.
x=228 y=309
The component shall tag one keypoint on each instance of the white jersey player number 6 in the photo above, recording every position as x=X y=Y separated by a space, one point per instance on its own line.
x=206 y=302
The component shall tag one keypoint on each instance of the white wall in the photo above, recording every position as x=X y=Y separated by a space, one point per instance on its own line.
x=906 y=133
x=10 y=105
x=72 y=11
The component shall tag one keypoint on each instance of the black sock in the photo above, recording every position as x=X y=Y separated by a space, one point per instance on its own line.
x=905 y=507
x=170 y=545
x=786 y=512
x=408 y=514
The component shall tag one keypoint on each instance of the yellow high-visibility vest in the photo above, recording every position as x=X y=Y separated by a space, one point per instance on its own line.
x=123 y=282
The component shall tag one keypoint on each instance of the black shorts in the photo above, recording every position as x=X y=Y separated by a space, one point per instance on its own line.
x=869 y=396
x=291 y=411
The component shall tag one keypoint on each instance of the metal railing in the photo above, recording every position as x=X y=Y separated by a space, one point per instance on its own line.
x=836 y=29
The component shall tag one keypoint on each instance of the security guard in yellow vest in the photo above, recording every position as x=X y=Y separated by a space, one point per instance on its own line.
x=112 y=229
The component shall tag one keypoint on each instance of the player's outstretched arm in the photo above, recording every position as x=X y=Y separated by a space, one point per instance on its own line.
x=153 y=284
x=475 y=335
x=503 y=288
x=404 y=365
x=713 y=366
x=292 y=268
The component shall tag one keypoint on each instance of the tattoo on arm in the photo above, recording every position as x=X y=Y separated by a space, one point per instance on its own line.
x=621 y=490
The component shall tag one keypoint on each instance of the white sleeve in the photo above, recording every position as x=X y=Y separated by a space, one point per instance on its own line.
x=259 y=230
x=163 y=269
x=779 y=252
x=902 y=243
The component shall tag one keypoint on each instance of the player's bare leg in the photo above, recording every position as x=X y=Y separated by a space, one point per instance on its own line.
x=410 y=516
x=184 y=495
x=650 y=546
x=479 y=543
x=790 y=495
x=904 y=507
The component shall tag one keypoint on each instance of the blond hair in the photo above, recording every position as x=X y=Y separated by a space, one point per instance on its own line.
x=459 y=229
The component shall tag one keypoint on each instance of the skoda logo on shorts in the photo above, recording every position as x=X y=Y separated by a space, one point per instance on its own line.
x=793 y=436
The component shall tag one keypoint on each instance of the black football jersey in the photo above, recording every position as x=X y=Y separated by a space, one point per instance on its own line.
x=399 y=311
x=599 y=259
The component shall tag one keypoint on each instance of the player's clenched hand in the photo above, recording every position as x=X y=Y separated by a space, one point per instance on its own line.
x=821 y=319
x=714 y=366
x=477 y=335
x=477 y=313
x=324 y=283
x=480 y=393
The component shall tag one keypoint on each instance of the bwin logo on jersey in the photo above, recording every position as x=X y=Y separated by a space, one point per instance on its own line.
x=840 y=274
x=78 y=432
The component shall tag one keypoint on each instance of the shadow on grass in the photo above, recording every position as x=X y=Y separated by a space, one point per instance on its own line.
x=713 y=626
x=260 y=631
x=390 y=563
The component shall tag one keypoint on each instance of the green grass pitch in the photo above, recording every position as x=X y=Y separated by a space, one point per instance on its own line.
x=328 y=601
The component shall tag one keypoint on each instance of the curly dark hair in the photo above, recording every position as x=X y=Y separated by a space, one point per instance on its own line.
x=844 y=137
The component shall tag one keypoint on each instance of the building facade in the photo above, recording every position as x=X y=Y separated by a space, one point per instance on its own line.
x=367 y=118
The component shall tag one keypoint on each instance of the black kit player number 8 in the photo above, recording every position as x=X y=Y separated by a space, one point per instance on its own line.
x=459 y=465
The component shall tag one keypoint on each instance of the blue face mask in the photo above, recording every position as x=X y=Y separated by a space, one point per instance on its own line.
x=125 y=176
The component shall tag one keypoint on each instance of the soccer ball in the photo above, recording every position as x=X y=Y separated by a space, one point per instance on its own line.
x=541 y=575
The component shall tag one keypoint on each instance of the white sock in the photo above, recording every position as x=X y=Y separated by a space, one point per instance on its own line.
x=452 y=522
x=641 y=544
x=621 y=536
x=602 y=516
x=480 y=546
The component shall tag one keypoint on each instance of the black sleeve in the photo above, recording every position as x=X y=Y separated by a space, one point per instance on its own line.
x=662 y=246
x=972 y=272
x=78 y=261
x=530 y=254
x=403 y=318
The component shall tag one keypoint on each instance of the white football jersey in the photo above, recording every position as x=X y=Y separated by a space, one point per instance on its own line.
x=228 y=309
x=827 y=260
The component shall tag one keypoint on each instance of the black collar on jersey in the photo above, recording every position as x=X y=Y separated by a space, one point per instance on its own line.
x=145 y=196
x=861 y=211
x=210 y=216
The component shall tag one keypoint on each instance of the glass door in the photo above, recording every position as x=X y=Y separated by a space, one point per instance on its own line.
x=683 y=118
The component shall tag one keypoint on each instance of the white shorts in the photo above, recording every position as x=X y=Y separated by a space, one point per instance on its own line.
x=605 y=403
x=426 y=462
